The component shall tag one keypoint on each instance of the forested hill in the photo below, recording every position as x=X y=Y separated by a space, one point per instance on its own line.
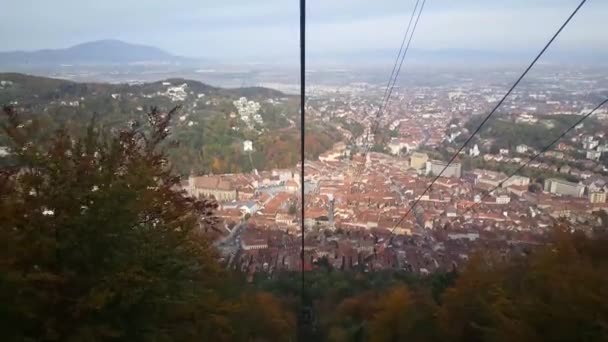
x=212 y=124
x=43 y=88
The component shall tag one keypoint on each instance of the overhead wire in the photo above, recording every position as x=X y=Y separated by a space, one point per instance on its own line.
x=405 y=35
x=502 y=100
x=393 y=77
x=302 y=127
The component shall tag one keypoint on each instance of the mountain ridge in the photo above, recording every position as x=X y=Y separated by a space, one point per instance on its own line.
x=209 y=126
x=99 y=52
x=47 y=85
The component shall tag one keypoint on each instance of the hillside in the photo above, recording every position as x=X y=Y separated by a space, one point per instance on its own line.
x=508 y=133
x=210 y=128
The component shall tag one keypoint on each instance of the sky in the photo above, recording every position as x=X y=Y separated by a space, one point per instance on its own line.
x=267 y=30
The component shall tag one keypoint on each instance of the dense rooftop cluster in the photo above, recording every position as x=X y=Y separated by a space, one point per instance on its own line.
x=356 y=202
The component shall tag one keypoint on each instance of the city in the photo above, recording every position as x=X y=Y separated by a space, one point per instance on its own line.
x=355 y=202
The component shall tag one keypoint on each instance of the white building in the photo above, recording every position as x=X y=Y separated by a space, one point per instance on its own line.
x=434 y=167
x=177 y=93
x=248 y=110
x=503 y=199
x=597 y=197
x=4 y=151
x=590 y=144
x=254 y=244
x=474 y=152
x=594 y=155
x=564 y=188
x=463 y=236
x=521 y=148
x=517 y=181
x=247 y=145
x=396 y=145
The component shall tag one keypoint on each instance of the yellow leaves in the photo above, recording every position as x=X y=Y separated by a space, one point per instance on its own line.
x=46 y=278
x=390 y=319
x=97 y=299
x=360 y=307
x=556 y=293
x=266 y=318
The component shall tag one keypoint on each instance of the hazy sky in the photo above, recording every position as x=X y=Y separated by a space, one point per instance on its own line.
x=268 y=29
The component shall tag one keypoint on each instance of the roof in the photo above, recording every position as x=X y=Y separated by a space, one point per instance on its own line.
x=419 y=155
x=291 y=182
x=213 y=182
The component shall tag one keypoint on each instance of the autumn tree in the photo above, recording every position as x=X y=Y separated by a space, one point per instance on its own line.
x=403 y=315
x=557 y=293
x=262 y=317
x=100 y=243
x=394 y=314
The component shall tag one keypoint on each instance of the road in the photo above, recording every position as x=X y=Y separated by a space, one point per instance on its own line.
x=229 y=245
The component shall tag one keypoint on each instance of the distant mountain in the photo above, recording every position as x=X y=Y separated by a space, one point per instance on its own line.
x=100 y=52
x=209 y=127
x=459 y=57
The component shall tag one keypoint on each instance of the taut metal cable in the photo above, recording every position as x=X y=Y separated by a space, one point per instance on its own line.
x=306 y=319
x=302 y=122
x=393 y=77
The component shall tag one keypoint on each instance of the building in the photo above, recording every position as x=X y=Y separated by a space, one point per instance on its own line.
x=597 y=197
x=283 y=175
x=488 y=177
x=250 y=244
x=474 y=152
x=248 y=207
x=254 y=239
x=292 y=186
x=564 y=188
x=463 y=236
x=396 y=145
x=285 y=219
x=521 y=148
x=503 y=199
x=434 y=167
x=211 y=186
x=594 y=155
x=418 y=160
x=245 y=207
x=590 y=144
x=517 y=181
x=247 y=146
